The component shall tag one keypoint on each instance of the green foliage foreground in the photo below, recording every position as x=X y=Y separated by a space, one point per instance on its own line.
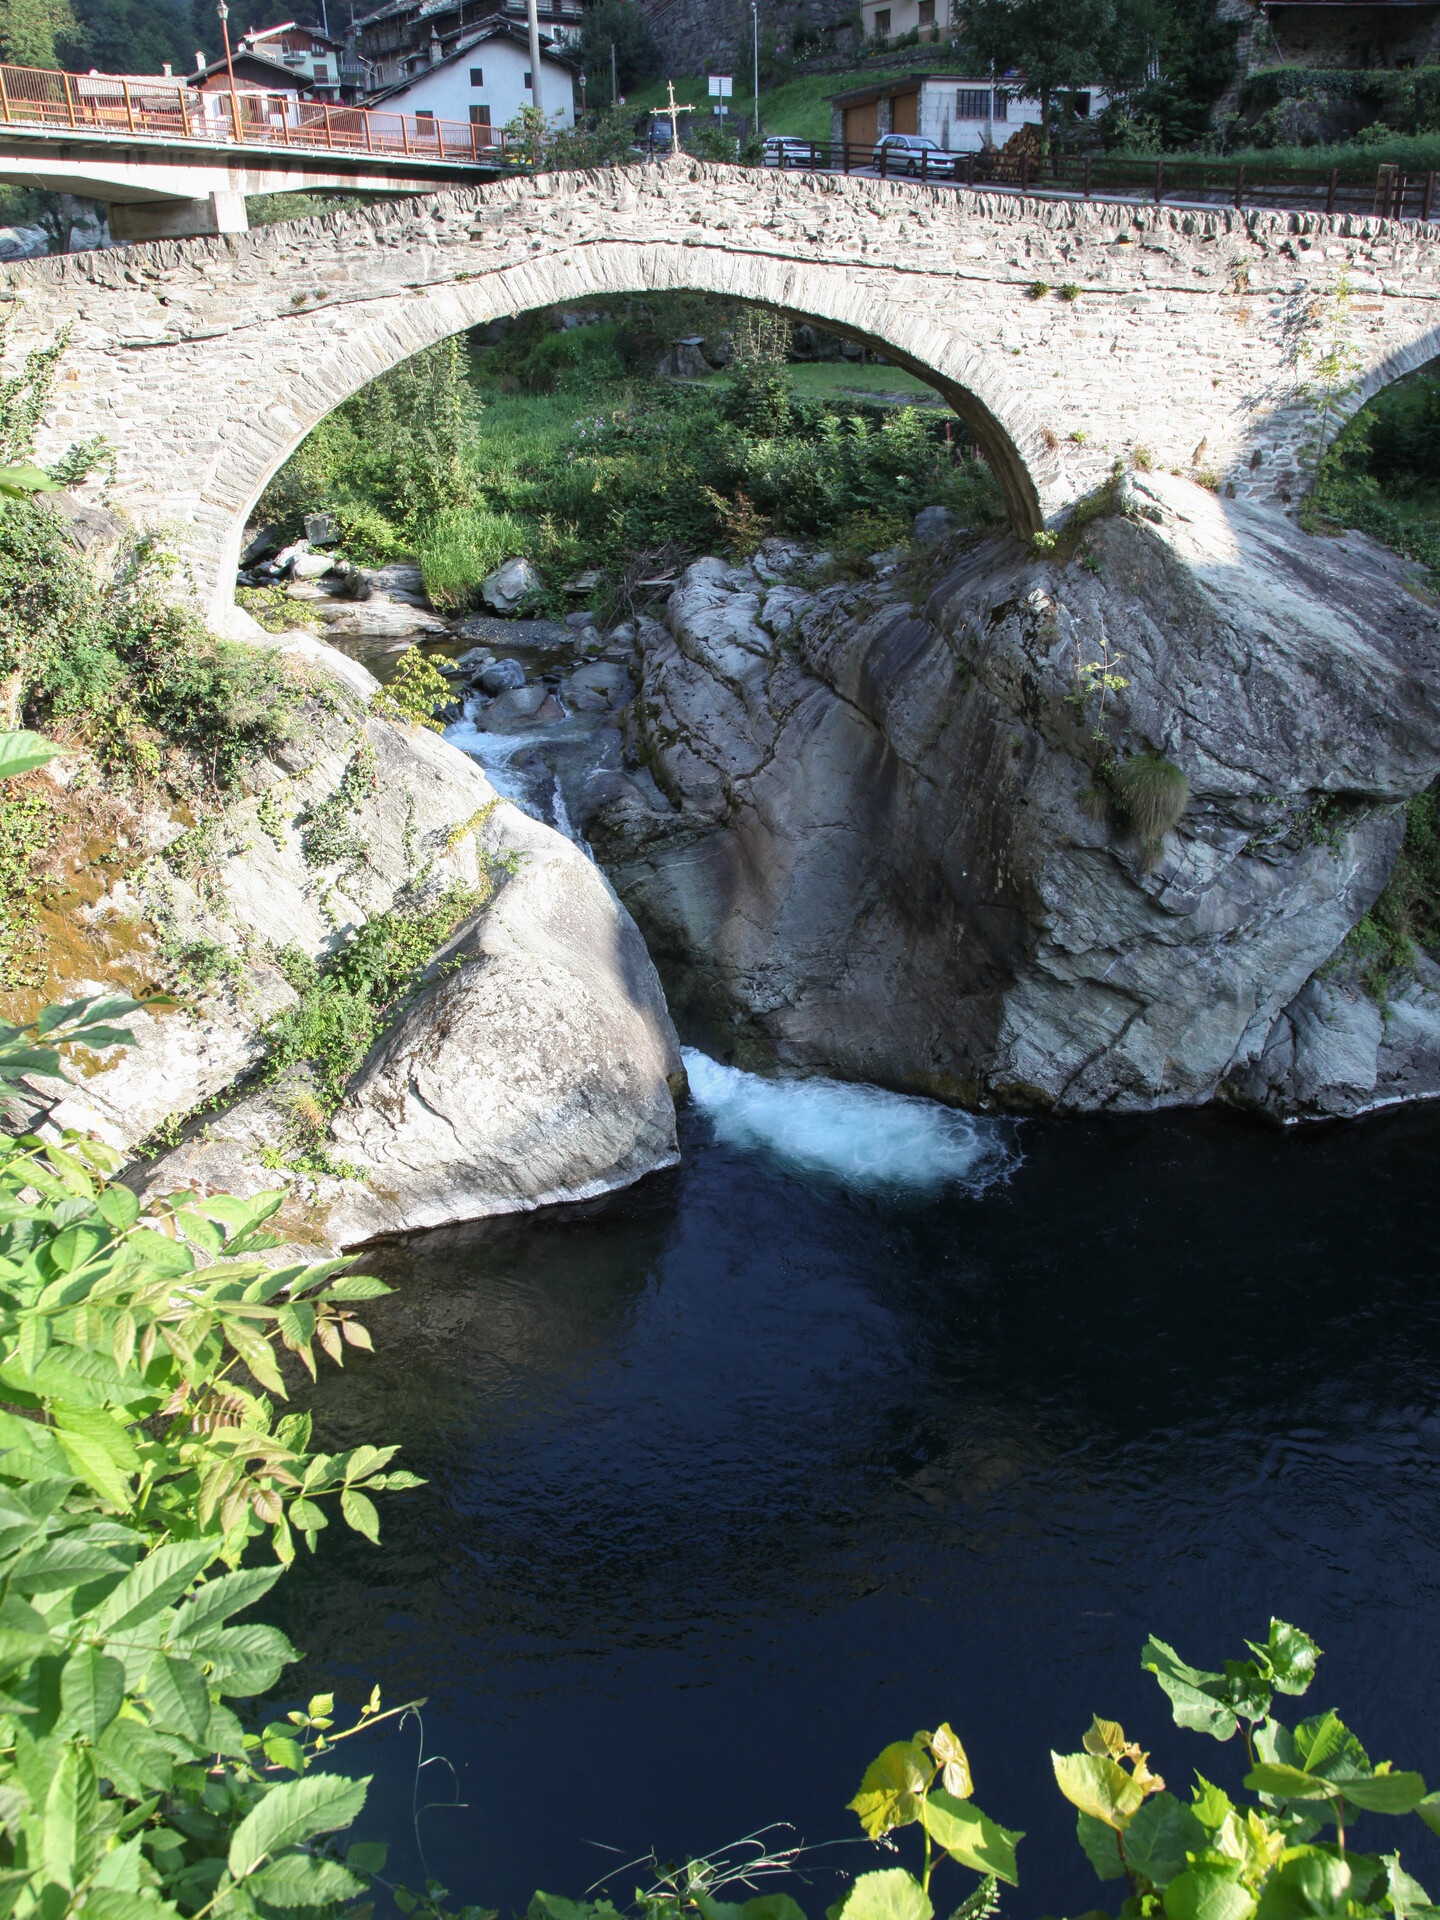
x=142 y=1461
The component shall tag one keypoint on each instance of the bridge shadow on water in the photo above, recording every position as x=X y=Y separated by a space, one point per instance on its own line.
x=743 y=1473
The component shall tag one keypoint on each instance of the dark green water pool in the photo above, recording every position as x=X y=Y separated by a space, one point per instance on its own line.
x=738 y=1476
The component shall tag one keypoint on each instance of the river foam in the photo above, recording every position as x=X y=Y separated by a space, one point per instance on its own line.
x=863 y=1136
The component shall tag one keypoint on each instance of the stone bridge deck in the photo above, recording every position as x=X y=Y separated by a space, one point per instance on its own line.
x=1066 y=335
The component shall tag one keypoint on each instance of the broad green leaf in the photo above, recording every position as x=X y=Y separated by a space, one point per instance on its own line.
x=1306 y=1883
x=970 y=1836
x=119 y=1207
x=18 y=481
x=179 y=1699
x=1429 y=1811
x=1196 y=1696
x=891 y=1894
x=1208 y=1893
x=944 y=1742
x=224 y=1733
x=22 y=752
x=92 y=1687
x=764 y=1906
x=1246 y=1690
x=100 y=1451
x=117 y=1903
x=1102 y=1846
x=367 y=1856
x=1384 y=1792
x=216 y=1600
x=300 y=1880
x=158 y=1581
x=135 y=1758
x=553 y=1906
x=296 y=1811
x=359 y=1511
x=72 y=1812
x=1292 y=1656
x=1289 y=1783
x=1159 y=1837
x=890 y=1792
x=56 y=1564
x=282 y=1750
x=1324 y=1744
x=247 y=1659
x=1099 y=1786
x=1407 y=1896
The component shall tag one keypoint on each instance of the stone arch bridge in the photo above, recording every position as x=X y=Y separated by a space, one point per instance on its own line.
x=1065 y=334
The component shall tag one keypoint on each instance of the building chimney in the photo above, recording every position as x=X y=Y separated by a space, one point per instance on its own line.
x=199 y=59
x=166 y=71
x=434 y=47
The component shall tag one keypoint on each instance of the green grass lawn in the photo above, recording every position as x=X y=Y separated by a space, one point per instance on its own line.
x=824 y=379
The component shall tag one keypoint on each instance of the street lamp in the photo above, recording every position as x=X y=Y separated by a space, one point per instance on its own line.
x=582 y=99
x=224 y=13
x=755 y=25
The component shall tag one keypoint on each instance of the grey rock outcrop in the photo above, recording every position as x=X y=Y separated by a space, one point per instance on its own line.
x=1337 y=1050
x=510 y=585
x=874 y=846
x=539 y=1069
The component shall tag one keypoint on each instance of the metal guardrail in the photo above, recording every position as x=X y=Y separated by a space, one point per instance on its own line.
x=36 y=97
x=1388 y=191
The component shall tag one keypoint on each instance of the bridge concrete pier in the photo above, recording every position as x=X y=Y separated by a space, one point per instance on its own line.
x=1068 y=336
x=222 y=210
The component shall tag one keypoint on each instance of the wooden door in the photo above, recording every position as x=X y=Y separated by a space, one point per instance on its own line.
x=907 y=113
x=862 y=125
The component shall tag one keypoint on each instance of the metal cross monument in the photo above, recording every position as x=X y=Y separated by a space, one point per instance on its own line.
x=674 y=112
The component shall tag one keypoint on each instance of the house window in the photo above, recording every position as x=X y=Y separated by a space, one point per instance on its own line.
x=1002 y=104
x=425 y=113
x=477 y=76
x=1081 y=103
x=927 y=13
x=882 y=23
x=526 y=81
x=971 y=104
x=479 y=114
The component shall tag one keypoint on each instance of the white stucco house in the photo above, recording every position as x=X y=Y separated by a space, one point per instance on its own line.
x=485 y=82
x=959 y=112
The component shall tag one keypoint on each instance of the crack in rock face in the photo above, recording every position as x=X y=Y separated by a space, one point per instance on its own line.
x=893 y=844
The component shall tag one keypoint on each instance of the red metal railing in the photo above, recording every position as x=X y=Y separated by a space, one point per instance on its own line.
x=34 y=97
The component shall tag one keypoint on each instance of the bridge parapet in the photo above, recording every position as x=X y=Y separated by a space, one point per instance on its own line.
x=1066 y=335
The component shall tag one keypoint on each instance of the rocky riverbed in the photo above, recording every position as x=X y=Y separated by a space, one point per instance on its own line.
x=865 y=827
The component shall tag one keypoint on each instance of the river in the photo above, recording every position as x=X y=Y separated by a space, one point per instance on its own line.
x=872 y=1415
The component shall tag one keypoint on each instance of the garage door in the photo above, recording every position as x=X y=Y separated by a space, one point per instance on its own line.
x=862 y=125
x=907 y=113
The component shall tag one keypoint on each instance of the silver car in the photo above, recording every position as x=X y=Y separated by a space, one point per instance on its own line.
x=913 y=153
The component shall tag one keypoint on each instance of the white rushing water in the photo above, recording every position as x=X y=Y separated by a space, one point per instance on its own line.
x=862 y=1135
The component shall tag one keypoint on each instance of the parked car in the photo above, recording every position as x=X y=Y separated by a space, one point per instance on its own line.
x=781 y=150
x=913 y=153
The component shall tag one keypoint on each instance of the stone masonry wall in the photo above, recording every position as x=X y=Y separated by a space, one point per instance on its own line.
x=205 y=362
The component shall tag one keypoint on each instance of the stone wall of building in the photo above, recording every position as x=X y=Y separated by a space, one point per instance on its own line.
x=205 y=362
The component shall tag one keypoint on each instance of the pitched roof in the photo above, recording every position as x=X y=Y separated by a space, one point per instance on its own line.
x=246 y=57
x=496 y=29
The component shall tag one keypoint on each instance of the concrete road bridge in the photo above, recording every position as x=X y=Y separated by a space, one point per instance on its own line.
x=1065 y=335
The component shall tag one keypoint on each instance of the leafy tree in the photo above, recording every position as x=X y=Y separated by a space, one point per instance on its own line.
x=1079 y=43
x=623 y=25
x=33 y=33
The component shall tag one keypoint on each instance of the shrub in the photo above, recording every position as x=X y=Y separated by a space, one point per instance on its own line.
x=1152 y=794
x=142 y=1455
x=416 y=691
x=460 y=545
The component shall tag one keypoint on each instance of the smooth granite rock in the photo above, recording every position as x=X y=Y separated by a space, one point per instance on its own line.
x=880 y=844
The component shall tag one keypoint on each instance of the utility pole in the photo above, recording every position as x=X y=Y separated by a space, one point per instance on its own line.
x=535 y=96
x=755 y=24
x=614 y=83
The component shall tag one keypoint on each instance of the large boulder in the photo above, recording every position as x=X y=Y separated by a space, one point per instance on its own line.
x=510 y=586
x=541 y=1071
x=882 y=842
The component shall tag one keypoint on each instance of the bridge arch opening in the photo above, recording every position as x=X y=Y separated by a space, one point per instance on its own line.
x=1020 y=454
